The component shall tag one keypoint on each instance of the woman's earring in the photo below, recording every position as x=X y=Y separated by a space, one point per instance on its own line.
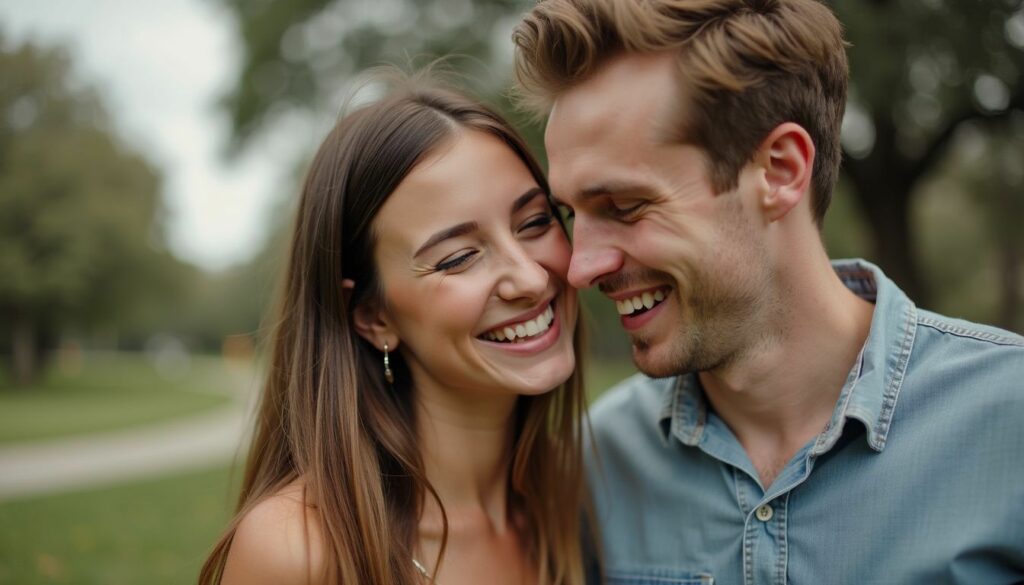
x=390 y=377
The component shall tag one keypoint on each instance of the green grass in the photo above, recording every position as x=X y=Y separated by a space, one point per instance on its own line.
x=107 y=392
x=154 y=532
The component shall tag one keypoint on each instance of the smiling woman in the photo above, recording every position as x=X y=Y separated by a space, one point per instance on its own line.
x=421 y=419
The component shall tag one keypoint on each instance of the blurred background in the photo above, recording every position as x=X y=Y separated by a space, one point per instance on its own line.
x=150 y=155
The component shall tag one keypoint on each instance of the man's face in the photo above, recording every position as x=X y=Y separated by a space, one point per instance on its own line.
x=683 y=264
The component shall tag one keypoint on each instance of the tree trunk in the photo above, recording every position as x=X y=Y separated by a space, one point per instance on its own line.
x=892 y=239
x=24 y=351
x=883 y=183
x=1012 y=294
x=1010 y=251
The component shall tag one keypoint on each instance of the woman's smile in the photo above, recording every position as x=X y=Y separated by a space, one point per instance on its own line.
x=475 y=286
x=526 y=336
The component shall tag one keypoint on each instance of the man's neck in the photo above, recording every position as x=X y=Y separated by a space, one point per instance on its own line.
x=779 y=395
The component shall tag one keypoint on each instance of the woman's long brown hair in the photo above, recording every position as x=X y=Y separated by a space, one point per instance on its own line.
x=327 y=415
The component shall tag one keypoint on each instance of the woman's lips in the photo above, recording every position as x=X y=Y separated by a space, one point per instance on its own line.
x=531 y=344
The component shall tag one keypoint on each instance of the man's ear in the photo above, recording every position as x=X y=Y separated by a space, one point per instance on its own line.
x=788 y=158
x=370 y=320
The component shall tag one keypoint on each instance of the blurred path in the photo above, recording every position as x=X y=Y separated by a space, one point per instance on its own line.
x=70 y=464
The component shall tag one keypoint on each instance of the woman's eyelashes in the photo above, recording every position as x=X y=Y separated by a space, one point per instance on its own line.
x=538 y=223
x=535 y=226
x=455 y=261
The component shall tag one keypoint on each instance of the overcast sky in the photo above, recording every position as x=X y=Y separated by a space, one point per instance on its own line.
x=160 y=66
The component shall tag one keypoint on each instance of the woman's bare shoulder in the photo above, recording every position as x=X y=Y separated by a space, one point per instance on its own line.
x=278 y=541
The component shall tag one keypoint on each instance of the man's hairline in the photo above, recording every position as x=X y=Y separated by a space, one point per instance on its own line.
x=673 y=129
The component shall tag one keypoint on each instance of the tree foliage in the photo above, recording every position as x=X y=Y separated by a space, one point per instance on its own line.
x=920 y=70
x=301 y=53
x=80 y=239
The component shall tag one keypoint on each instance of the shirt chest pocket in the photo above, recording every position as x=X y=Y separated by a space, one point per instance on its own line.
x=657 y=577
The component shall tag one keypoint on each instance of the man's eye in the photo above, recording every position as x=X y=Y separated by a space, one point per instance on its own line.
x=454 y=262
x=621 y=211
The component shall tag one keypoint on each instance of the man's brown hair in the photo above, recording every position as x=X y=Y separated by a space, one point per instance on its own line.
x=747 y=66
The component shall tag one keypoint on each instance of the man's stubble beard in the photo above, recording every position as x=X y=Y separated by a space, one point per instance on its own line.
x=711 y=335
x=723 y=315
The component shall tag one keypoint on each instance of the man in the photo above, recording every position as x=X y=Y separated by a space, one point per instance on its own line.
x=804 y=421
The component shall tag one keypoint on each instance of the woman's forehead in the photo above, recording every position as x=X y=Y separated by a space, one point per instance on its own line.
x=474 y=177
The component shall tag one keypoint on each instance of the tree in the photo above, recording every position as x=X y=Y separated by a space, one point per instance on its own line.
x=301 y=53
x=920 y=70
x=983 y=192
x=80 y=241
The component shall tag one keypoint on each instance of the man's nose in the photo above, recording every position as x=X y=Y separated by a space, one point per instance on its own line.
x=592 y=257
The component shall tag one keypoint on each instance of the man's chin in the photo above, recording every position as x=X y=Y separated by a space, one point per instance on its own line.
x=654 y=361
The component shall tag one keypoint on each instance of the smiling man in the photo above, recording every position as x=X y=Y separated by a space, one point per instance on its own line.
x=804 y=421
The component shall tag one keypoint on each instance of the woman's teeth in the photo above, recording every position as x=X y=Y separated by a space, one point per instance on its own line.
x=644 y=301
x=521 y=331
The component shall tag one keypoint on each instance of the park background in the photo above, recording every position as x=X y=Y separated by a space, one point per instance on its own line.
x=150 y=155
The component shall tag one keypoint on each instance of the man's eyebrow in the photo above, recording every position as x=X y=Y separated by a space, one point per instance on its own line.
x=446 y=234
x=526 y=198
x=610 y=188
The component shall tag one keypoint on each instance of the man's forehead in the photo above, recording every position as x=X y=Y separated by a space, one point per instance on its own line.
x=628 y=95
x=602 y=132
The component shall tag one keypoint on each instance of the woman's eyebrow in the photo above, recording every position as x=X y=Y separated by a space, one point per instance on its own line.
x=446 y=234
x=471 y=226
x=524 y=199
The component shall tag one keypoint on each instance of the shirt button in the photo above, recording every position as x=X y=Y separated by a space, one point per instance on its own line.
x=764 y=513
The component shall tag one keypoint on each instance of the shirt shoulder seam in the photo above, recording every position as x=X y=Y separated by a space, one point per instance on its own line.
x=965 y=332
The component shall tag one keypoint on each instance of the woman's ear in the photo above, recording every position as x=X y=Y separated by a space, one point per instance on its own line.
x=788 y=155
x=371 y=321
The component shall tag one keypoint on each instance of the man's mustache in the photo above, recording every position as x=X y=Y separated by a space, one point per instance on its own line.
x=624 y=281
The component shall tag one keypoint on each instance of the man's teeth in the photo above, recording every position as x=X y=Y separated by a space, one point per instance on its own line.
x=644 y=301
x=535 y=326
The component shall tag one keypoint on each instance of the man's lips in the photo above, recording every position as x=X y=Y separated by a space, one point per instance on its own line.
x=638 y=318
x=642 y=299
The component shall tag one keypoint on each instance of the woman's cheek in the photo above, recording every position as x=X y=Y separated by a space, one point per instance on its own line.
x=466 y=298
x=555 y=252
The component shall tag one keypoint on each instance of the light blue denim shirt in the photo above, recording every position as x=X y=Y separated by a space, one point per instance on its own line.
x=917 y=479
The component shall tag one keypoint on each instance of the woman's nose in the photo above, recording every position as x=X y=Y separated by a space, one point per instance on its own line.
x=523 y=277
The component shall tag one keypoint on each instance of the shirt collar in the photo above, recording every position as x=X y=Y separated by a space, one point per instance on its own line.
x=872 y=387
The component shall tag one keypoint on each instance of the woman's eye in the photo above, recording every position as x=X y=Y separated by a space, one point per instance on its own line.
x=454 y=261
x=543 y=220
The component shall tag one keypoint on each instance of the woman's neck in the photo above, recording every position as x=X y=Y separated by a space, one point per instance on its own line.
x=466 y=444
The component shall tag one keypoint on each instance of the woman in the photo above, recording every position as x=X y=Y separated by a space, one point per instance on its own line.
x=421 y=420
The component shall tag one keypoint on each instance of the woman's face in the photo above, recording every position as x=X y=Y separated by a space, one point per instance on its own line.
x=473 y=265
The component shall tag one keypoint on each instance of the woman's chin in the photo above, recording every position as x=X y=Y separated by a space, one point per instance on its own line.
x=541 y=378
